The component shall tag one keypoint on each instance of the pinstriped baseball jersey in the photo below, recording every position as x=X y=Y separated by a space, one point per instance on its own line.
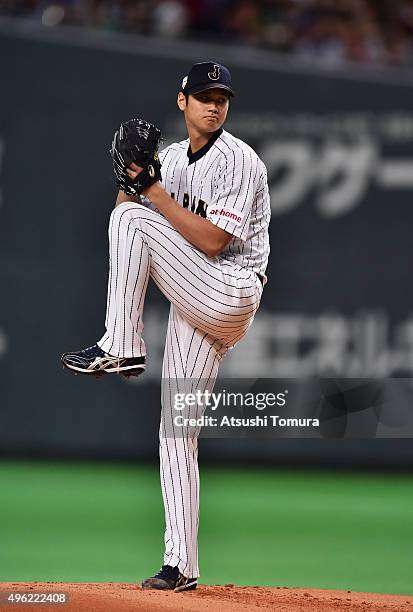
x=225 y=182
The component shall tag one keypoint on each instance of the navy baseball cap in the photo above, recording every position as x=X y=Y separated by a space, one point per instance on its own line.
x=207 y=75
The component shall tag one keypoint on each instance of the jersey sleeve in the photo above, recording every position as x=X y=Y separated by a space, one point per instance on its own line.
x=234 y=193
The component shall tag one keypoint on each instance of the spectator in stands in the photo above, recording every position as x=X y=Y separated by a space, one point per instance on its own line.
x=330 y=31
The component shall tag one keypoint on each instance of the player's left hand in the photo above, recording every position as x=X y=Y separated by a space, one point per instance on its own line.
x=133 y=172
x=134 y=154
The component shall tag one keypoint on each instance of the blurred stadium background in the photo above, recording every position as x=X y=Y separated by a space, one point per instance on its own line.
x=325 y=96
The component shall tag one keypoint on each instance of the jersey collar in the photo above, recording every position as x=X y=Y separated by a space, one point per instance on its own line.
x=193 y=157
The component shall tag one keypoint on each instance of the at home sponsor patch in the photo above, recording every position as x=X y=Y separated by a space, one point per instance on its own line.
x=230 y=215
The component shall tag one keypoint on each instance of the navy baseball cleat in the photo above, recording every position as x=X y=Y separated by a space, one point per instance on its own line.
x=94 y=361
x=170 y=578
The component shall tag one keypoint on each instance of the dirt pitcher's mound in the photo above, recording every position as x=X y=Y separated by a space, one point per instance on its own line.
x=118 y=597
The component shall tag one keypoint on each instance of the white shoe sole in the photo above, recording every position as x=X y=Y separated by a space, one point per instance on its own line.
x=141 y=369
x=186 y=587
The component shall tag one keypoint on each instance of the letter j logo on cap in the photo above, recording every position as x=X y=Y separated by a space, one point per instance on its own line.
x=215 y=74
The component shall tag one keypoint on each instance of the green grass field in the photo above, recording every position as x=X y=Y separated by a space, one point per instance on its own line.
x=103 y=522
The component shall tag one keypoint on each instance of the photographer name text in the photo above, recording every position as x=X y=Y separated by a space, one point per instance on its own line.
x=272 y=420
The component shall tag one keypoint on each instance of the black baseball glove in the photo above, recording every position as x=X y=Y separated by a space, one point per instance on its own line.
x=137 y=142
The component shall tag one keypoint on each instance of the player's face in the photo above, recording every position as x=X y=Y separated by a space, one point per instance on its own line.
x=205 y=111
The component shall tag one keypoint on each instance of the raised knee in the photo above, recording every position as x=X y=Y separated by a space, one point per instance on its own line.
x=124 y=212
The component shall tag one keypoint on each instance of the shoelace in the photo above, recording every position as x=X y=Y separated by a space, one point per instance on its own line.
x=166 y=572
x=94 y=351
x=90 y=351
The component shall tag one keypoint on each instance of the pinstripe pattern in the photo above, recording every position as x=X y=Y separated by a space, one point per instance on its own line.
x=213 y=302
x=229 y=177
x=218 y=298
x=189 y=354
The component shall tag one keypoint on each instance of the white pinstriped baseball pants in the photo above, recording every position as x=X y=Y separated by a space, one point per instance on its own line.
x=213 y=302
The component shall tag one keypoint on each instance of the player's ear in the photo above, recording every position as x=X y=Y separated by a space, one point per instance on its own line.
x=181 y=101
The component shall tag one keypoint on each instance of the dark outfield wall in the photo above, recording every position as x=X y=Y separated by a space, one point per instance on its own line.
x=340 y=158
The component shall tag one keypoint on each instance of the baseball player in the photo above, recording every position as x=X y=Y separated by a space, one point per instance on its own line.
x=195 y=220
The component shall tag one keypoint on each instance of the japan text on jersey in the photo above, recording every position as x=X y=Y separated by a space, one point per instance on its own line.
x=225 y=182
